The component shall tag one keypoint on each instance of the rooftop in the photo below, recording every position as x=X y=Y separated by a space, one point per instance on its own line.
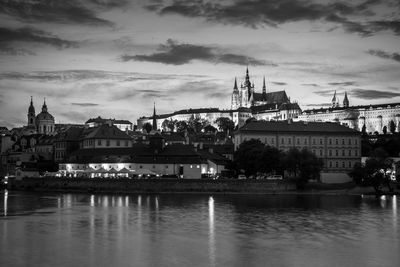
x=284 y=126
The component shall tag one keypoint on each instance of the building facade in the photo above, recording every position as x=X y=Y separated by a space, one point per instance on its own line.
x=338 y=146
x=379 y=118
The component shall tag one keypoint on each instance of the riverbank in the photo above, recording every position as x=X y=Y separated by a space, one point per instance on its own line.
x=53 y=184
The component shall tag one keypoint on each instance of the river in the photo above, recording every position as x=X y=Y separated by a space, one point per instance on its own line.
x=198 y=230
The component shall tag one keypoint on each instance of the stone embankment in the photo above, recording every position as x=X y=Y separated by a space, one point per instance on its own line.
x=104 y=185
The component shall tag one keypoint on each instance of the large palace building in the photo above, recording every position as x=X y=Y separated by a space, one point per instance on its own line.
x=245 y=103
x=379 y=118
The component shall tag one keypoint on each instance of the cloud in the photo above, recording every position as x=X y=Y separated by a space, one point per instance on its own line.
x=310 y=84
x=382 y=25
x=279 y=83
x=373 y=94
x=349 y=83
x=8 y=50
x=326 y=93
x=259 y=13
x=84 y=104
x=174 y=53
x=30 y=35
x=55 y=11
x=385 y=55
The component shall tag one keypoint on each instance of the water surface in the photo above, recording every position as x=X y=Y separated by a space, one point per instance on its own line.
x=197 y=230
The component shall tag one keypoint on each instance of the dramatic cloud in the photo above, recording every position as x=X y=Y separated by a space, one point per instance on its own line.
x=373 y=94
x=68 y=12
x=258 y=13
x=177 y=54
x=84 y=104
x=7 y=50
x=326 y=93
x=30 y=35
x=383 y=54
x=393 y=25
x=279 y=83
x=343 y=83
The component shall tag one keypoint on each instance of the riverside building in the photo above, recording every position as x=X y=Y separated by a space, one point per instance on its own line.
x=338 y=146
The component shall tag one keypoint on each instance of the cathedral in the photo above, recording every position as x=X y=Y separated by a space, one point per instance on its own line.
x=43 y=123
x=246 y=97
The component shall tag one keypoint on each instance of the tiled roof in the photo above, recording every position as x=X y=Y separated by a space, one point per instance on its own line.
x=284 y=126
x=273 y=97
x=101 y=120
x=392 y=105
x=106 y=132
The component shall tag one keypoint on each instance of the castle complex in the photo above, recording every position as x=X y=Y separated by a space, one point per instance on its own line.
x=245 y=104
x=378 y=118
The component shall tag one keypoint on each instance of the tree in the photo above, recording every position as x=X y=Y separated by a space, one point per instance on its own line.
x=373 y=173
x=196 y=124
x=247 y=156
x=147 y=127
x=271 y=160
x=392 y=127
x=364 y=130
x=304 y=164
x=225 y=124
x=210 y=129
x=169 y=125
x=181 y=126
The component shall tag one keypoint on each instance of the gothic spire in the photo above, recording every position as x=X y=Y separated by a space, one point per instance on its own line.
x=264 y=91
x=31 y=107
x=345 y=100
x=235 y=87
x=154 y=118
x=334 y=100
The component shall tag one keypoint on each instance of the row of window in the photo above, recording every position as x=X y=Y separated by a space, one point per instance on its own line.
x=341 y=164
x=314 y=141
x=101 y=142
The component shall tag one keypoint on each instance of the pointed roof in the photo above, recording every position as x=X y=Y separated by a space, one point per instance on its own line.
x=154 y=125
x=334 y=97
x=235 y=87
x=31 y=107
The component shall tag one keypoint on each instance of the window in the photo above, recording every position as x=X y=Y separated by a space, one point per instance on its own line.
x=342 y=141
x=356 y=153
x=343 y=164
x=118 y=143
x=349 y=153
x=298 y=141
x=330 y=141
x=330 y=164
x=320 y=141
x=337 y=141
x=349 y=164
x=349 y=141
x=330 y=152
x=337 y=164
x=289 y=141
x=126 y=143
x=305 y=141
x=99 y=142
x=107 y=142
x=337 y=152
x=343 y=153
x=282 y=141
x=320 y=152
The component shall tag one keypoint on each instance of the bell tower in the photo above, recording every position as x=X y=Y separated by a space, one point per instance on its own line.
x=31 y=115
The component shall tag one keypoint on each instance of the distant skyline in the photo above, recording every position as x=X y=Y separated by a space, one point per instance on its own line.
x=115 y=58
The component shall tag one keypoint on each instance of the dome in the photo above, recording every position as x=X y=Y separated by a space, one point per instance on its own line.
x=44 y=116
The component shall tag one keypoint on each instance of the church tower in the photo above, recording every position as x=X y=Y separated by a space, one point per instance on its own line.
x=334 y=100
x=247 y=90
x=264 y=91
x=235 y=97
x=345 y=100
x=154 y=125
x=31 y=115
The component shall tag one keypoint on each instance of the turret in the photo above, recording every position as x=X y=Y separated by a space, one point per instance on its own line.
x=44 y=107
x=334 y=100
x=345 y=100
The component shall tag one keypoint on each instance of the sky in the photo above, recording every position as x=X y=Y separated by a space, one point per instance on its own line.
x=115 y=58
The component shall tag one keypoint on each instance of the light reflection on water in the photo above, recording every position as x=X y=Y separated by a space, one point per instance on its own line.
x=198 y=230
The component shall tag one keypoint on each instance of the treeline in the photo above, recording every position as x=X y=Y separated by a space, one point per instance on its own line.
x=253 y=157
x=387 y=142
